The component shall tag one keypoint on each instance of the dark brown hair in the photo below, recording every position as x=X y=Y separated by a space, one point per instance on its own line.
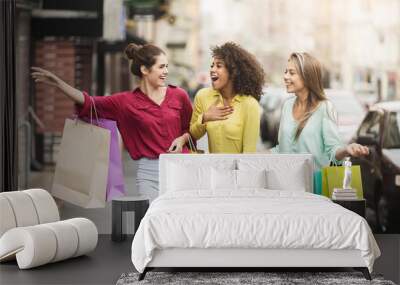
x=142 y=55
x=310 y=72
x=245 y=71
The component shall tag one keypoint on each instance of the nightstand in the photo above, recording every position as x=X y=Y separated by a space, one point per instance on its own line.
x=137 y=204
x=357 y=206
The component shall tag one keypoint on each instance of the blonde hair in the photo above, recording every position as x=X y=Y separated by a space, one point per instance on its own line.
x=310 y=71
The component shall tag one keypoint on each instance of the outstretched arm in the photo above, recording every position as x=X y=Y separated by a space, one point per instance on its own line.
x=106 y=106
x=41 y=75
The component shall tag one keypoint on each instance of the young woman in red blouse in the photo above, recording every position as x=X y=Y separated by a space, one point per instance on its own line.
x=152 y=119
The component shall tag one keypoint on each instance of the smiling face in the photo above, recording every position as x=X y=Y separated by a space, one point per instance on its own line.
x=293 y=81
x=219 y=74
x=157 y=74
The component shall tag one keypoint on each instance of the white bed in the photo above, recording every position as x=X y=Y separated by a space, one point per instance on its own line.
x=225 y=217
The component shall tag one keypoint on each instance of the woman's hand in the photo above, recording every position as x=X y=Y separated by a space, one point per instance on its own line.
x=41 y=75
x=357 y=150
x=215 y=113
x=177 y=144
x=353 y=149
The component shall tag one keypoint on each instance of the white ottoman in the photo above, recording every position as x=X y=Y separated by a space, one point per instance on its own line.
x=31 y=232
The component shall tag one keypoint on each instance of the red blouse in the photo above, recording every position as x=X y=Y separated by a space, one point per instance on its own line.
x=146 y=128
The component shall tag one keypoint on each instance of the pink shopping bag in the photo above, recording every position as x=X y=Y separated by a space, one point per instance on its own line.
x=115 y=179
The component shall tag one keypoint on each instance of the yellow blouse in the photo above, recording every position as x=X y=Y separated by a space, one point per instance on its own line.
x=237 y=134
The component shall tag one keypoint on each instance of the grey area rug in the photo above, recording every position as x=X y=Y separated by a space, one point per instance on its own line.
x=229 y=278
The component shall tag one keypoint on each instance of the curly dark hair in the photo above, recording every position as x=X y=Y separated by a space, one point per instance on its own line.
x=246 y=73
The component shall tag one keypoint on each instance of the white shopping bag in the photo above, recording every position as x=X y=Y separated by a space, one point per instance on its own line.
x=82 y=165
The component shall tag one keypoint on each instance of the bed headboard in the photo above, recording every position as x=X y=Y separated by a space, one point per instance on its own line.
x=287 y=162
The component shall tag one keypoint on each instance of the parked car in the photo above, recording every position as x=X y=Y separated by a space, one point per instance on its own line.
x=380 y=131
x=349 y=109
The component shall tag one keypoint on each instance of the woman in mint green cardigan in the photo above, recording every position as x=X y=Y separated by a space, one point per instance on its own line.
x=308 y=120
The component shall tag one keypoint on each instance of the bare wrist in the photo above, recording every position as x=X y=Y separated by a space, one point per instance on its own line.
x=341 y=153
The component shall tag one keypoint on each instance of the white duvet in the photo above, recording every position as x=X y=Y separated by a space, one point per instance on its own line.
x=254 y=218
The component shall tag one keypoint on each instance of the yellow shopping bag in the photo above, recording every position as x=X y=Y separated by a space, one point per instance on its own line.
x=332 y=177
x=324 y=182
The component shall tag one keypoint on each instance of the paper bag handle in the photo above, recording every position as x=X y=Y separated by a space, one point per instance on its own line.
x=93 y=106
x=192 y=146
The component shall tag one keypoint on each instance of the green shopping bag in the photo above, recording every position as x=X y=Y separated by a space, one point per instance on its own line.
x=332 y=177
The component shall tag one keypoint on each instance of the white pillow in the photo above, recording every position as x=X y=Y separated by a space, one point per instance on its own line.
x=188 y=177
x=223 y=179
x=251 y=178
x=284 y=172
x=293 y=180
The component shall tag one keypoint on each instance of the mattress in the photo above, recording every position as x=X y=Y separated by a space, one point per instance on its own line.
x=251 y=219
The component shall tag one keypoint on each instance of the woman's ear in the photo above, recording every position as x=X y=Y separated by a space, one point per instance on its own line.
x=144 y=70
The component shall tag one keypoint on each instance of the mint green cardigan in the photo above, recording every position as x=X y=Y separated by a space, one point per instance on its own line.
x=320 y=135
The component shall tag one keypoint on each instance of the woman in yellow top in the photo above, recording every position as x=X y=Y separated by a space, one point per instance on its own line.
x=229 y=111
